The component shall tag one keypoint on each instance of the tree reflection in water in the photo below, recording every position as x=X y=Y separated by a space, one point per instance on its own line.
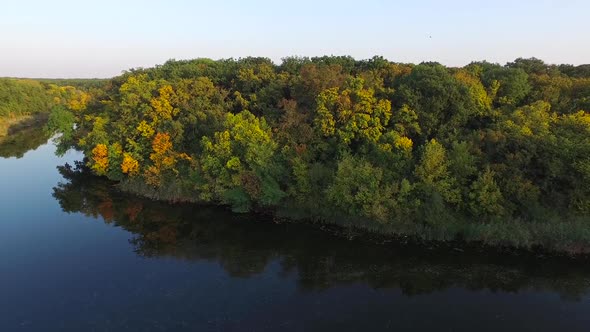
x=17 y=144
x=245 y=244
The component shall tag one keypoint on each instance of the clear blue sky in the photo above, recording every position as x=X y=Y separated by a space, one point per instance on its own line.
x=62 y=38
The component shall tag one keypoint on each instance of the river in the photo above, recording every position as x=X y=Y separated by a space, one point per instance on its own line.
x=78 y=255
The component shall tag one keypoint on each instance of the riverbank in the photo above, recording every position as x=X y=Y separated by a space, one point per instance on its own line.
x=554 y=237
x=13 y=124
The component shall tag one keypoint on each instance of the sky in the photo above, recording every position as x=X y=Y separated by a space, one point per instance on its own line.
x=67 y=39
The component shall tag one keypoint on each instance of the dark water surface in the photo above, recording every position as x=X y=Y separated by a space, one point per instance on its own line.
x=76 y=255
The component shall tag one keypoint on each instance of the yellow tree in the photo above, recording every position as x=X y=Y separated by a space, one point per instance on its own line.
x=163 y=158
x=162 y=105
x=130 y=165
x=73 y=99
x=352 y=113
x=101 y=159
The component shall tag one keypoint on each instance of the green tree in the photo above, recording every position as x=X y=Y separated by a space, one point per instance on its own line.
x=485 y=197
x=358 y=190
x=433 y=173
x=238 y=163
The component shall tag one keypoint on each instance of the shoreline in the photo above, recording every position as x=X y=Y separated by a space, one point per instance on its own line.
x=13 y=125
x=505 y=243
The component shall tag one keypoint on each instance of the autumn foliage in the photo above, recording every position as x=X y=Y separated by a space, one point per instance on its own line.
x=100 y=159
x=402 y=148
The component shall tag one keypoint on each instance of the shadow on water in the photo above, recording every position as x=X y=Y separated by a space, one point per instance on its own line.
x=244 y=245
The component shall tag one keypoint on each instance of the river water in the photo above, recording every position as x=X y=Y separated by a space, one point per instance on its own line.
x=77 y=255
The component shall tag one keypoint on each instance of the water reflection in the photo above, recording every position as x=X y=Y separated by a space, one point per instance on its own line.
x=19 y=143
x=245 y=245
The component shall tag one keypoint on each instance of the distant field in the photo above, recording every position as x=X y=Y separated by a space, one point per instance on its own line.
x=84 y=83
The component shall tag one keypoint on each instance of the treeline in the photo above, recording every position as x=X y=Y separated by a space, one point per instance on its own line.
x=28 y=96
x=26 y=104
x=85 y=84
x=23 y=97
x=492 y=153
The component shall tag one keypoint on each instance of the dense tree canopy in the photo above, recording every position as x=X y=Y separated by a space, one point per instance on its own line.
x=23 y=97
x=409 y=148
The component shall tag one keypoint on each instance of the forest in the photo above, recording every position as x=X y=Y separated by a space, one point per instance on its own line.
x=497 y=154
x=26 y=103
